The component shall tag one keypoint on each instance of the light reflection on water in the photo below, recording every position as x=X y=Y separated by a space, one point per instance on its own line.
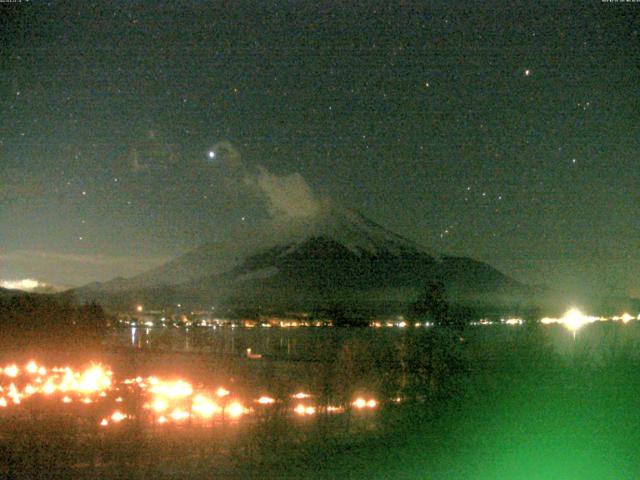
x=595 y=340
x=226 y=340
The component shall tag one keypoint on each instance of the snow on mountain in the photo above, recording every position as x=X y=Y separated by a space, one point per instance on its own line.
x=344 y=226
x=304 y=261
x=359 y=234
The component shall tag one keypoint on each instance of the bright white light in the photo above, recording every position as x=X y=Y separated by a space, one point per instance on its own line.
x=626 y=318
x=222 y=392
x=32 y=367
x=179 y=414
x=11 y=371
x=304 y=410
x=118 y=416
x=513 y=321
x=235 y=410
x=573 y=319
x=204 y=407
x=360 y=403
x=24 y=284
x=212 y=154
x=160 y=405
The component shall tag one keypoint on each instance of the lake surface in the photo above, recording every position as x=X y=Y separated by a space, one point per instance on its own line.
x=597 y=341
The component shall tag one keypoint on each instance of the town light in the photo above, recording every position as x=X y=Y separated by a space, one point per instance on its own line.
x=626 y=318
x=235 y=410
x=574 y=319
x=222 y=392
x=168 y=401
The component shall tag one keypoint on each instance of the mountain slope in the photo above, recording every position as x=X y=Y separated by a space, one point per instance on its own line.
x=346 y=227
x=336 y=255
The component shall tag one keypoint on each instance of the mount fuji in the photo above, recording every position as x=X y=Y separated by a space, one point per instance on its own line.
x=335 y=255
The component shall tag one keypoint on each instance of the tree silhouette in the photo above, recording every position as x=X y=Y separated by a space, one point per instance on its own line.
x=433 y=306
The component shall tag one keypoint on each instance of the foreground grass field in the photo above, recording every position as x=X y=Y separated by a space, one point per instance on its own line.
x=513 y=408
x=529 y=416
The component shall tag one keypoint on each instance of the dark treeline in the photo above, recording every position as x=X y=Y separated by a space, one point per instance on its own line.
x=42 y=320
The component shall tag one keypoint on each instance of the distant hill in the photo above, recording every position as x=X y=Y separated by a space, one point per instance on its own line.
x=6 y=293
x=35 y=320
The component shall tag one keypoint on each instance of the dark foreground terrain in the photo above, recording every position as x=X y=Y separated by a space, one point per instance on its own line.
x=511 y=408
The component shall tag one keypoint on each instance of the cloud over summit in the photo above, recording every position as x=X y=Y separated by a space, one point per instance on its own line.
x=287 y=195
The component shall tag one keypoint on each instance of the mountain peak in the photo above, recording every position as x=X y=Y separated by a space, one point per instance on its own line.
x=334 y=252
x=349 y=228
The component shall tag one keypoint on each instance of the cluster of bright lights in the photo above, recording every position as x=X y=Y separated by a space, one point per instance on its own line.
x=220 y=322
x=573 y=319
x=502 y=321
x=33 y=379
x=301 y=395
x=176 y=401
x=165 y=401
x=361 y=403
x=398 y=323
x=625 y=318
x=302 y=409
x=512 y=321
x=482 y=321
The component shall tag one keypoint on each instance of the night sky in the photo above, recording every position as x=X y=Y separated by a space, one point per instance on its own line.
x=504 y=131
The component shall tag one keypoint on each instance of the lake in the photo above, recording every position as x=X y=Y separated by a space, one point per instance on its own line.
x=597 y=341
